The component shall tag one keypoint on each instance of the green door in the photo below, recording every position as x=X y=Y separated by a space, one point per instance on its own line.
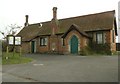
x=32 y=46
x=74 y=45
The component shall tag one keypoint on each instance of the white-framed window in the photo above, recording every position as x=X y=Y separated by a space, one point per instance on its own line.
x=43 y=41
x=46 y=40
x=99 y=38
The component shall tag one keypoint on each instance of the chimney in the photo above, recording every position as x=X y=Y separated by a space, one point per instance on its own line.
x=54 y=13
x=26 y=20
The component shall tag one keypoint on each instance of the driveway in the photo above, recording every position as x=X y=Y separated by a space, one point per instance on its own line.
x=63 y=68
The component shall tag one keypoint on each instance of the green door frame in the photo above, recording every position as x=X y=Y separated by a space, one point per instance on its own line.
x=74 y=45
x=33 y=46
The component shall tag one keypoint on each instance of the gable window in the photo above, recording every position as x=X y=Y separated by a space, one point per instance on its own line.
x=99 y=38
x=43 y=41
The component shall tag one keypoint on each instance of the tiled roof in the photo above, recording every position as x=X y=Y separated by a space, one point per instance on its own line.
x=77 y=28
x=92 y=22
x=29 y=32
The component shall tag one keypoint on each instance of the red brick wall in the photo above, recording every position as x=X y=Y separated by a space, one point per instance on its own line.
x=58 y=47
x=109 y=40
x=41 y=49
x=55 y=42
x=26 y=47
x=113 y=44
x=81 y=39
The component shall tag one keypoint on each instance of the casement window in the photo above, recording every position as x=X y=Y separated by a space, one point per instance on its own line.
x=100 y=37
x=43 y=41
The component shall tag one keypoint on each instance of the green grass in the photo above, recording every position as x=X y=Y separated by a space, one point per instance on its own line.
x=117 y=53
x=14 y=59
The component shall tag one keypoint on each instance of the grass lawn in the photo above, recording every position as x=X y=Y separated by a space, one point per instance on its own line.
x=14 y=59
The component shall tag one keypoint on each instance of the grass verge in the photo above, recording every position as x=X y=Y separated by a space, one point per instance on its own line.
x=9 y=58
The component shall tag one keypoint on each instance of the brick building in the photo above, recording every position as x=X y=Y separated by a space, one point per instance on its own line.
x=69 y=35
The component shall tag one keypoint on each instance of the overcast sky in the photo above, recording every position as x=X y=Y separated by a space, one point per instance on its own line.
x=14 y=11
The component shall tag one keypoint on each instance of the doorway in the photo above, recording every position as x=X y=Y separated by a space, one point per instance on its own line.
x=33 y=47
x=74 y=45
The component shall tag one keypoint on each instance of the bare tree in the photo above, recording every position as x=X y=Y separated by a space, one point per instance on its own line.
x=10 y=30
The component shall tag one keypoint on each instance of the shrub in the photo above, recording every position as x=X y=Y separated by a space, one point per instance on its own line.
x=87 y=51
x=93 y=48
x=4 y=46
x=101 y=48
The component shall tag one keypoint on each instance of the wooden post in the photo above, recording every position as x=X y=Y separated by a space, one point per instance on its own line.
x=20 y=54
x=7 y=51
x=13 y=50
x=20 y=51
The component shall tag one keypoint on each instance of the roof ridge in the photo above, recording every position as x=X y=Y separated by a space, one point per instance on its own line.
x=74 y=17
x=39 y=23
x=87 y=15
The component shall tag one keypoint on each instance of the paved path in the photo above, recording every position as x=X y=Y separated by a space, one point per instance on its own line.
x=61 y=68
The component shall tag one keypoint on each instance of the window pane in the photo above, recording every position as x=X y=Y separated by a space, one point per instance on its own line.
x=45 y=41
x=99 y=38
x=42 y=41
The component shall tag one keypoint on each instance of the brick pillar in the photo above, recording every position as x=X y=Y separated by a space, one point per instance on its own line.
x=54 y=13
